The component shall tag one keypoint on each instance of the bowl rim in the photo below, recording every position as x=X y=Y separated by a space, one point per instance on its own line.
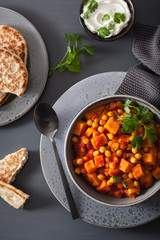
x=154 y=110
x=115 y=37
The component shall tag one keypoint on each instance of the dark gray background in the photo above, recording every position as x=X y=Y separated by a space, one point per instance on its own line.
x=43 y=217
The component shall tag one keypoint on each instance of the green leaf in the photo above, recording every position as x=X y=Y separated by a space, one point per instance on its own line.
x=73 y=37
x=78 y=53
x=147 y=118
x=137 y=142
x=74 y=67
x=111 y=27
x=88 y=49
x=92 y=6
x=106 y=17
x=85 y=2
x=125 y=184
x=116 y=179
x=103 y=32
x=123 y=17
x=50 y=72
x=86 y=15
x=129 y=125
x=151 y=132
x=118 y=17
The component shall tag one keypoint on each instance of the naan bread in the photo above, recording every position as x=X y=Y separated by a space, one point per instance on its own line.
x=3 y=98
x=11 y=165
x=13 y=74
x=12 y=195
x=12 y=40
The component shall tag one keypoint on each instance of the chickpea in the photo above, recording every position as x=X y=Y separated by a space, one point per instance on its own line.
x=74 y=139
x=110 y=136
x=77 y=171
x=102 y=122
x=108 y=153
x=101 y=129
x=79 y=161
x=104 y=117
x=86 y=141
x=133 y=160
x=96 y=120
x=138 y=156
x=116 y=146
x=83 y=149
x=89 y=122
x=100 y=177
x=129 y=146
x=107 y=159
x=131 y=138
x=110 y=114
x=96 y=153
x=120 y=111
x=119 y=153
x=134 y=150
x=136 y=183
x=94 y=124
x=85 y=158
x=102 y=149
x=130 y=175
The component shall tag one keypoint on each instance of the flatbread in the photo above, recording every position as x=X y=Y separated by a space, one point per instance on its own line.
x=13 y=74
x=12 y=40
x=11 y=165
x=12 y=195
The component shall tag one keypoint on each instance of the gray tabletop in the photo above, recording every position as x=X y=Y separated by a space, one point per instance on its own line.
x=43 y=216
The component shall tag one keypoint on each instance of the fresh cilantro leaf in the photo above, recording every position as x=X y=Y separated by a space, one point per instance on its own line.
x=71 y=57
x=116 y=179
x=85 y=2
x=106 y=17
x=88 y=49
x=92 y=6
x=137 y=142
x=150 y=131
x=103 y=32
x=111 y=27
x=129 y=125
x=123 y=17
x=125 y=184
x=86 y=15
x=118 y=17
x=147 y=118
x=144 y=110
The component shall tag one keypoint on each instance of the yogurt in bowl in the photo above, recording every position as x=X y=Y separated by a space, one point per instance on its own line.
x=107 y=18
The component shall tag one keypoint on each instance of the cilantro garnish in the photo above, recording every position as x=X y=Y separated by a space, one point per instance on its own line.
x=111 y=27
x=103 y=32
x=92 y=6
x=71 y=58
x=125 y=184
x=118 y=17
x=106 y=17
x=116 y=179
x=135 y=117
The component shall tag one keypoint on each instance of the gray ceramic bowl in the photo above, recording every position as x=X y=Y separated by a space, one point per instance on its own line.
x=82 y=184
x=121 y=34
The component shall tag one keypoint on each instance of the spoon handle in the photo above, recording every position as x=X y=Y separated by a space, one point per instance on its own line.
x=70 y=199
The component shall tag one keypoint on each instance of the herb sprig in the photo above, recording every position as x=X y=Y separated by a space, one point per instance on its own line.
x=92 y=6
x=72 y=55
x=139 y=116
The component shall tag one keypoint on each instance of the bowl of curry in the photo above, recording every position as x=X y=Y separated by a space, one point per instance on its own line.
x=112 y=150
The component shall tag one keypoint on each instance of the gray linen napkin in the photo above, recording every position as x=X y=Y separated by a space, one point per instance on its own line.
x=143 y=80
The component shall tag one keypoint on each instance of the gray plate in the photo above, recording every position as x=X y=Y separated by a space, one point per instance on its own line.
x=37 y=66
x=80 y=94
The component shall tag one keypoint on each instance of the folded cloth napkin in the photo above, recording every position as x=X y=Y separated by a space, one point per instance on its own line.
x=143 y=80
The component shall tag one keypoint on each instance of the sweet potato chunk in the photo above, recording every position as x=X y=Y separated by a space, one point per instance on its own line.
x=112 y=126
x=89 y=131
x=95 y=111
x=92 y=178
x=156 y=173
x=125 y=166
x=80 y=128
x=103 y=187
x=148 y=159
x=99 y=161
x=90 y=166
x=124 y=138
x=146 y=181
x=138 y=171
x=99 y=141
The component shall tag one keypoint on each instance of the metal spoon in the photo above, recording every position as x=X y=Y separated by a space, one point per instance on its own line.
x=46 y=121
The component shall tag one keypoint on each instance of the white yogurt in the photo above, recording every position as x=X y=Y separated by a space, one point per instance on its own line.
x=110 y=7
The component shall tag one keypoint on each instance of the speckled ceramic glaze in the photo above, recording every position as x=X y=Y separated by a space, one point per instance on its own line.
x=67 y=107
x=37 y=66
